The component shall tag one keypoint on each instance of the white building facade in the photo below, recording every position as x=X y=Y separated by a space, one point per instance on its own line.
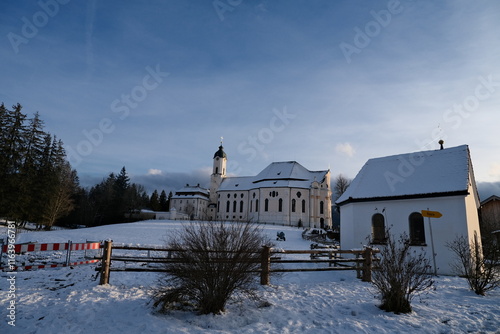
x=284 y=193
x=190 y=202
x=391 y=192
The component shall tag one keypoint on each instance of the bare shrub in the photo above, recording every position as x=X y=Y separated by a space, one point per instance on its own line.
x=213 y=262
x=401 y=274
x=479 y=264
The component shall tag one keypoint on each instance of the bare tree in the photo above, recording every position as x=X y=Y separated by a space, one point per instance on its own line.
x=479 y=263
x=340 y=186
x=401 y=274
x=214 y=261
x=60 y=203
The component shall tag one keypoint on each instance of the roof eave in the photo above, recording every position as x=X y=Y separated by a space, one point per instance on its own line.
x=403 y=197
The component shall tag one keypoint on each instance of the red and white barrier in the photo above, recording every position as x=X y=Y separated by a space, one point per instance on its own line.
x=45 y=266
x=85 y=246
x=36 y=247
x=26 y=248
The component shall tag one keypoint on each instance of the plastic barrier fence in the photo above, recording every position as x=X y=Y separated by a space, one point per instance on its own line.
x=11 y=250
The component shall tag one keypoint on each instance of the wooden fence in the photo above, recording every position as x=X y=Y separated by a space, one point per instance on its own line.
x=360 y=260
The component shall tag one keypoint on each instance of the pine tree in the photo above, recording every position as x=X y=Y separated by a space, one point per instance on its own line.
x=154 y=201
x=163 y=201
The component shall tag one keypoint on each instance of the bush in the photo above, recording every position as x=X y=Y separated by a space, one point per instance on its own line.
x=401 y=274
x=214 y=261
x=479 y=264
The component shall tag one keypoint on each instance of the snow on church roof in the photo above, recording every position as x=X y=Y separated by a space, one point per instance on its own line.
x=277 y=174
x=426 y=173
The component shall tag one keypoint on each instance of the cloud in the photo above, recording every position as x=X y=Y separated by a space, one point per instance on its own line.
x=154 y=171
x=487 y=189
x=495 y=170
x=345 y=149
x=155 y=179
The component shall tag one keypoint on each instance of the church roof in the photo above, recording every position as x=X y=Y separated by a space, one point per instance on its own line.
x=220 y=153
x=192 y=192
x=412 y=175
x=277 y=174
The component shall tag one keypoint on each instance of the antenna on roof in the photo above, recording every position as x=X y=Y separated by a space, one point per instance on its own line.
x=441 y=142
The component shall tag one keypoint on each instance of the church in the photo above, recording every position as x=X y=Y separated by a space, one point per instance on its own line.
x=283 y=193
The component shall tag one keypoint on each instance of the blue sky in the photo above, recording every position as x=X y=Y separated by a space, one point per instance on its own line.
x=153 y=85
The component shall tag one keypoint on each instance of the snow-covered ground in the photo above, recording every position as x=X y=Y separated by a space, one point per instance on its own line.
x=69 y=300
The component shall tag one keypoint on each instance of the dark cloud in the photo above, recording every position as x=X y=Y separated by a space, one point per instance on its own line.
x=487 y=189
x=162 y=181
x=172 y=181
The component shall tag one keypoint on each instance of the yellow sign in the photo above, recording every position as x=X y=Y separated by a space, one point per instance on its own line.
x=431 y=214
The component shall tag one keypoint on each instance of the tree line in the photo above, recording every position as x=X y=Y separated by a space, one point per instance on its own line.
x=38 y=184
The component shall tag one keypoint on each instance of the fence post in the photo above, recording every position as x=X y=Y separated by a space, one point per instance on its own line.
x=265 y=265
x=358 y=265
x=106 y=262
x=367 y=265
x=68 y=253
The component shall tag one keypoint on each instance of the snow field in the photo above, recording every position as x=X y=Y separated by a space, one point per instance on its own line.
x=69 y=300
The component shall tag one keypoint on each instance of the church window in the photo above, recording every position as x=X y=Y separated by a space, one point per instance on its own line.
x=241 y=195
x=417 y=232
x=257 y=205
x=218 y=206
x=321 y=207
x=228 y=204
x=216 y=170
x=228 y=195
x=234 y=206
x=253 y=195
x=241 y=206
x=294 y=202
x=266 y=205
x=378 y=229
x=280 y=205
x=235 y=195
x=299 y=194
x=303 y=205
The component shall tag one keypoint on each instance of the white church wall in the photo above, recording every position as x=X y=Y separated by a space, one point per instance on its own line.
x=356 y=224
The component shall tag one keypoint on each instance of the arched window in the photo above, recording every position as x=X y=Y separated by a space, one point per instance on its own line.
x=321 y=207
x=378 y=229
x=241 y=206
x=234 y=206
x=280 y=205
x=266 y=205
x=303 y=205
x=257 y=205
x=417 y=232
x=294 y=202
x=228 y=204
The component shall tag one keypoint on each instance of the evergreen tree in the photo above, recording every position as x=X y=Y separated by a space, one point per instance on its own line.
x=33 y=168
x=154 y=201
x=170 y=195
x=163 y=201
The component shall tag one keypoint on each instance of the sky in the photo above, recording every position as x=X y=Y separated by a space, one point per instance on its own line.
x=154 y=85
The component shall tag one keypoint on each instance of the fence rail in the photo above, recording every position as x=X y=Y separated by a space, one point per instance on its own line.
x=362 y=261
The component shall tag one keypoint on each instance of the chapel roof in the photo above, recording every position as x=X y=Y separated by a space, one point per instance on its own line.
x=412 y=175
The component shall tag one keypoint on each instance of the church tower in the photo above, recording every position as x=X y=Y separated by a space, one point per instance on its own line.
x=218 y=172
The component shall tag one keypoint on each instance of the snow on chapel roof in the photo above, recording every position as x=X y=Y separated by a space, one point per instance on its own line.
x=420 y=174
